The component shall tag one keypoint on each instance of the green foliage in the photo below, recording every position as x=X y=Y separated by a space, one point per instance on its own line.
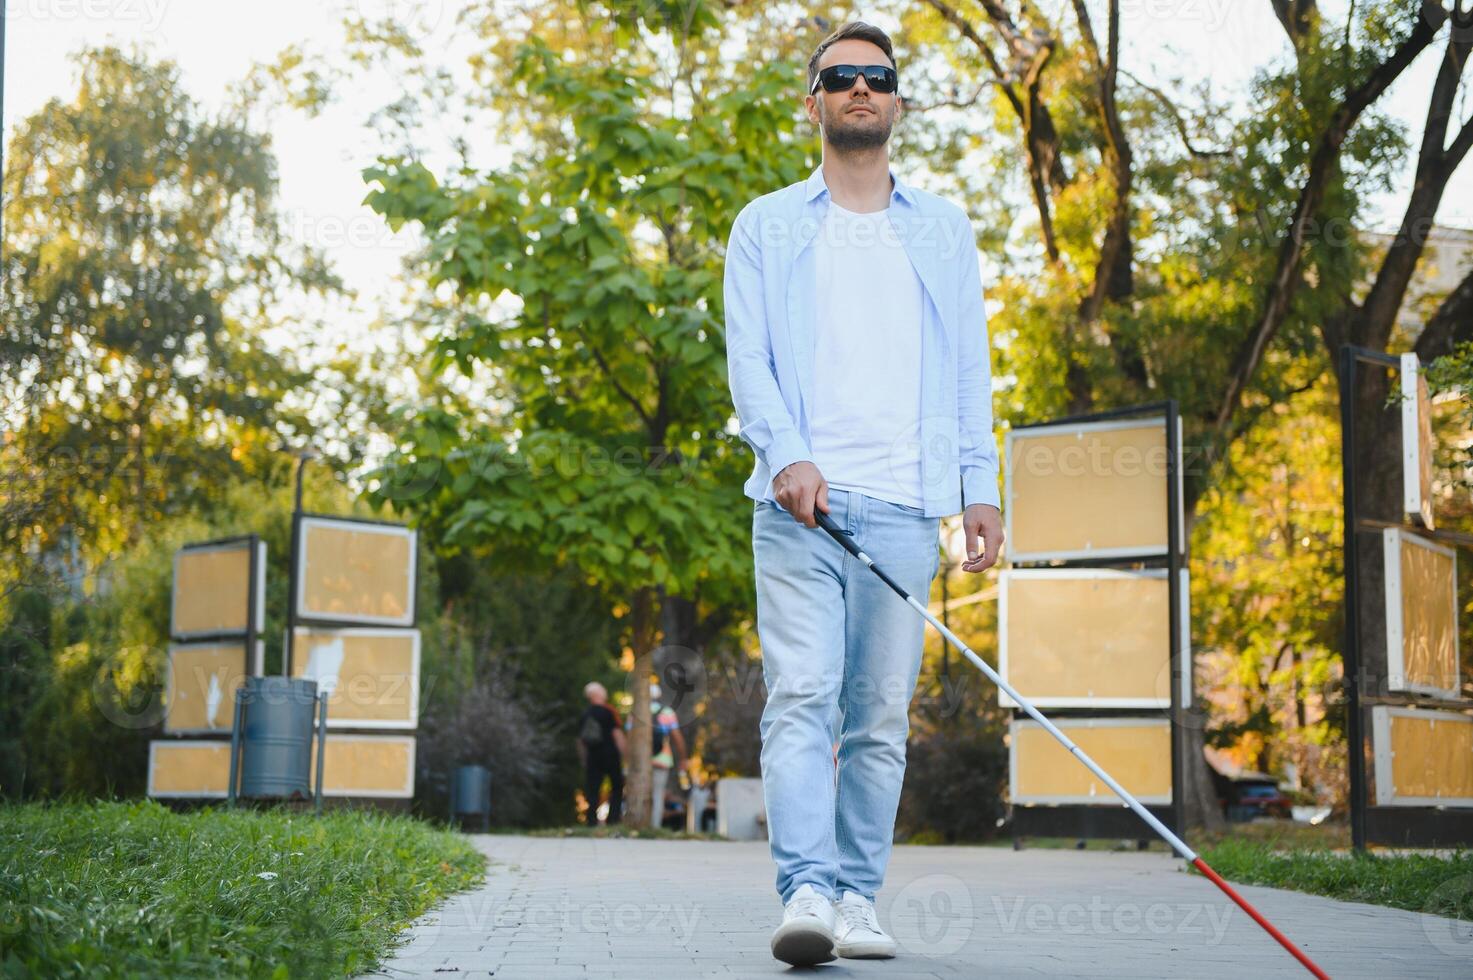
x=1452 y=375
x=1213 y=188
x=142 y=253
x=1268 y=592
x=600 y=248
x=92 y=667
x=580 y=288
x=29 y=619
x=135 y=890
x=502 y=680
x=1205 y=227
x=954 y=780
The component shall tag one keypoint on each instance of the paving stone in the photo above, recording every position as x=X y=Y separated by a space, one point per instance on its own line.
x=554 y=907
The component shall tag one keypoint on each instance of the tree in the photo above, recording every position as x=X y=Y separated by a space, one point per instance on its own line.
x=588 y=273
x=1269 y=568
x=143 y=259
x=1185 y=252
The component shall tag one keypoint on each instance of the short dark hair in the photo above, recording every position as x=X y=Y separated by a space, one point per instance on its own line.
x=856 y=29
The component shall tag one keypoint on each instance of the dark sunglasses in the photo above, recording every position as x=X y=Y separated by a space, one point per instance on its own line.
x=840 y=78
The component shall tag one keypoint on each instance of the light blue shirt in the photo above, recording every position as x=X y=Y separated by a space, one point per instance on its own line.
x=771 y=307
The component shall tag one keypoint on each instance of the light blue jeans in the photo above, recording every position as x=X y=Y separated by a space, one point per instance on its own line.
x=840 y=654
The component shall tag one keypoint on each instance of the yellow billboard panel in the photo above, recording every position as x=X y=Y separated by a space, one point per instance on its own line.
x=355 y=572
x=1135 y=751
x=367 y=765
x=1087 y=490
x=189 y=768
x=1421 y=615
x=200 y=685
x=213 y=589
x=1423 y=757
x=1086 y=637
x=372 y=674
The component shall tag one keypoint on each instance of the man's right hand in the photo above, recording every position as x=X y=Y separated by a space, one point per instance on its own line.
x=800 y=487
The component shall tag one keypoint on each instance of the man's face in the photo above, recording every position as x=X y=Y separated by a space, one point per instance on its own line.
x=857 y=118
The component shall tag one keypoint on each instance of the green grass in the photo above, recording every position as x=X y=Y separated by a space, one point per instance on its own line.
x=1440 y=885
x=137 y=890
x=1316 y=859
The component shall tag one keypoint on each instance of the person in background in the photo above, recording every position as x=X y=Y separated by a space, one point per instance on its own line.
x=701 y=808
x=665 y=725
x=601 y=749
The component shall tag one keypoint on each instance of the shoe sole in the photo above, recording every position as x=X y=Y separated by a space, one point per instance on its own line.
x=804 y=946
x=867 y=951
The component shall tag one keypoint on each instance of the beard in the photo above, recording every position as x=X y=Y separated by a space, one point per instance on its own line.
x=858 y=133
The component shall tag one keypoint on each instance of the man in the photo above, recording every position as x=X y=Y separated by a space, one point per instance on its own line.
x=858 y=361
x=601 y=750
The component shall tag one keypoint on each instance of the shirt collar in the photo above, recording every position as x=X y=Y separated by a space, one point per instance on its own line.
x=816 y=186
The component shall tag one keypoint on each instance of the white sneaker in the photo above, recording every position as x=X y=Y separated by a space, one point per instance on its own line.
x=858 y=933
x=806 y=935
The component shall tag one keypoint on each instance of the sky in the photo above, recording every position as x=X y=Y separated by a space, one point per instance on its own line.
x=320 y=159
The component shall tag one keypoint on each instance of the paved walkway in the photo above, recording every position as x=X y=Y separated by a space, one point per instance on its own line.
x=583 y=907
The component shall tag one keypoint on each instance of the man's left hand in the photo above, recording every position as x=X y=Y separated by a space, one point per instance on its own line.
x=984 y=520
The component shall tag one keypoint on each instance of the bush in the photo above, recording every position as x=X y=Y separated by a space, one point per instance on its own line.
x=954 y=778
x=530 y=642
x=87 y=690
x=730 y=743
x=491 y=725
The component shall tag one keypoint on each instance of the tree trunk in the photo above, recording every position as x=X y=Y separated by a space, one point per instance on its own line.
x=638 y=787
x=1199 y=804
x=680 y=662
x=1200 y=808
x=1376 y=471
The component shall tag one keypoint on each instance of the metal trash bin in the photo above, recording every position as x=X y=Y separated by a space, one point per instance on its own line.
x=271 y=741
x=470 y=796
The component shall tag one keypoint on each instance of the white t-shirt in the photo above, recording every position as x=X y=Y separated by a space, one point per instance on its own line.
x=865 y=420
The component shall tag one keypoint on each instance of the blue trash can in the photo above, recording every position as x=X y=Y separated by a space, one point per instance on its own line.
x=272 y=740
x=470 y=797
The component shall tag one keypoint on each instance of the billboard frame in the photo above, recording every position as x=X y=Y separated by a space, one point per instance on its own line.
x=1399 y=826
x=1396 y=674
x=1100 y=422
x=1071 y=701
x=1381 y=716
x=255 y=590
x=153 y=763
x=251 y=662
x=1015 y=724
x=1098 y=819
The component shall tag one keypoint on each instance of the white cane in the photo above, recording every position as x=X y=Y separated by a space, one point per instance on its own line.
x=846 y=539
